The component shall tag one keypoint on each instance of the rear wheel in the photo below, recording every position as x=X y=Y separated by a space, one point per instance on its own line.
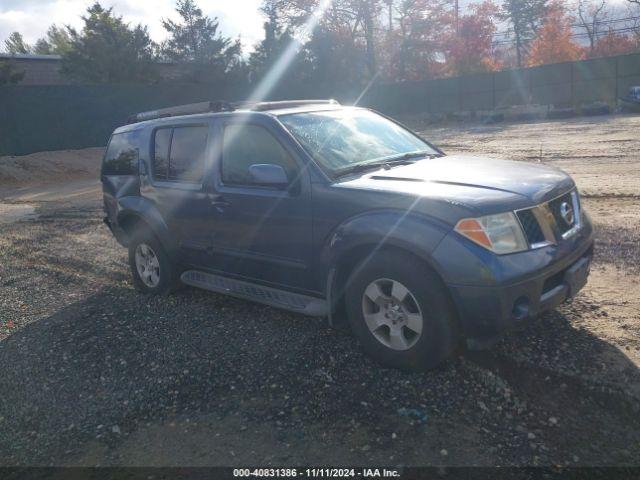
x=400 y=311
x=152 y=270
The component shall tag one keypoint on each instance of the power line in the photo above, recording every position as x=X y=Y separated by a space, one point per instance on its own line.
x=580 y=25
x=576 y=35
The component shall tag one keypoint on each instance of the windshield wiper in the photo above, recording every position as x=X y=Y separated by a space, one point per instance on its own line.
x=386 y=163
x=360 y=167
x=402 y=158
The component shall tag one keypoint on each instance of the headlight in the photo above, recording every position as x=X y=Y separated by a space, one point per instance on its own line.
x=500 y=233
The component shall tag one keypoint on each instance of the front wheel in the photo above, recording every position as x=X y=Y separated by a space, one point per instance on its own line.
x=400 y=311
x=152 y=270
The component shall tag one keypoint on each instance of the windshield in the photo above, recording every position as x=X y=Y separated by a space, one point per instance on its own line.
x=341 y=139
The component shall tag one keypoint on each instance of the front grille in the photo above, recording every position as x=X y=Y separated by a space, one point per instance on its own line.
x=531 y=227
x=564 y=221
x=552 y=221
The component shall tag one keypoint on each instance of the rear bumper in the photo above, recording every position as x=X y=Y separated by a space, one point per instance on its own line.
x=487 y=311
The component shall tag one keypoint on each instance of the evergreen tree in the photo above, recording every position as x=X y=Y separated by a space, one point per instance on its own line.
x=15 y=44
x=56 y=41
x=276 y=40
x=8 y=74
x=108 y=50
x=195 y=41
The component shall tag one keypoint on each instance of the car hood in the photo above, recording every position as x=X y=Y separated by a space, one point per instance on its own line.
x=472 y=181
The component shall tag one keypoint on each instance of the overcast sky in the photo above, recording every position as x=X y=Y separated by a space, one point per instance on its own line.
x=33 y=17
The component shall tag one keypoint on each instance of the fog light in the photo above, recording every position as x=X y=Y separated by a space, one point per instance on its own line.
x=520 y=309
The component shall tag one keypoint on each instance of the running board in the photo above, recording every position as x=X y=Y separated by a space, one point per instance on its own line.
x=295 y=302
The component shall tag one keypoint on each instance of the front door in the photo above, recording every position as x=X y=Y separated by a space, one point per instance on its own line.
x=258 y=232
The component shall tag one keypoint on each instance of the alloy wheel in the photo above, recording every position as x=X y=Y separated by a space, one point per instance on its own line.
x=148 y=265
x=392 y=314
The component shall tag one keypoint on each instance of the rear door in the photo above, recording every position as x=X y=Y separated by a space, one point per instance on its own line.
x=258 y=232
x=174 y=180
x=119 y=174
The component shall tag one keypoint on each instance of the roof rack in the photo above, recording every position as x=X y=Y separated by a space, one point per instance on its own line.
x=222 y=106
x=188 y=109
x=262 y=106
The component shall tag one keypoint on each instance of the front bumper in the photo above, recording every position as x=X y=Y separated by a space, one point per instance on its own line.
x=495 y=293
x=486 y=311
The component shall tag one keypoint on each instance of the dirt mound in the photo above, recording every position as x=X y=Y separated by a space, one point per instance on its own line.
x=48 y=167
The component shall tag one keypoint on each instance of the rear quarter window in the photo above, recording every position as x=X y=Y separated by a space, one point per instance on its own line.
x=121 y=157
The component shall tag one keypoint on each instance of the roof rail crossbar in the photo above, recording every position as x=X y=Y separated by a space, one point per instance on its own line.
x=188 y=109
x=222 y=106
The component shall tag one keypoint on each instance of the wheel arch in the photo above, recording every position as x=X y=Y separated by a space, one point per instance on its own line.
x=131 y=222
x=351 y=259
x=133 y=217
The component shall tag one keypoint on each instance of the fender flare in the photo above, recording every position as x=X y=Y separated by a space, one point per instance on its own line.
x=145 y=211
x=413 y=233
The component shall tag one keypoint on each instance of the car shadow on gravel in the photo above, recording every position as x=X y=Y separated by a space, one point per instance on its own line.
x=589 y=389
x=118 y=362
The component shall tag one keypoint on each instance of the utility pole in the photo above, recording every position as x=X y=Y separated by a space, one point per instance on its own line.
x=457 y=18
x=390 y=5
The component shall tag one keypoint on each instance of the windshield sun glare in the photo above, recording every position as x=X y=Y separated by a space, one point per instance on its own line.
x=340 y=139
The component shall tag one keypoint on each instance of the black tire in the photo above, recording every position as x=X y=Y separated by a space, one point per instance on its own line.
x=169 y=274
x=438 y=339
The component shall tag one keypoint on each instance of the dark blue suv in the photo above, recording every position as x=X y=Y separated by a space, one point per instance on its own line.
x=341 y=212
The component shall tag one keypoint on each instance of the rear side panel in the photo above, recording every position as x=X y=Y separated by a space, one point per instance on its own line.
x=119 y=173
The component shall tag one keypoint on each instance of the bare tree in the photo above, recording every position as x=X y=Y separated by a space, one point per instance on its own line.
x=591 y=14
x=632 y=11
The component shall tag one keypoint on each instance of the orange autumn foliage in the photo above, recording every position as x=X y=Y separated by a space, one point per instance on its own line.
x=553 y=43
x=613 y=43
x=470 y=49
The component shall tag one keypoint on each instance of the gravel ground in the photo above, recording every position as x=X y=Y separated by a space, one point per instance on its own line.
x=98 y=374
x=601 y=153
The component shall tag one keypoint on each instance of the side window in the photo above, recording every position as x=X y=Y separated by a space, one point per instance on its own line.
x=179 y=153
x=121 y=157
x=186 y=161
x=245 y=145
x=160 y=162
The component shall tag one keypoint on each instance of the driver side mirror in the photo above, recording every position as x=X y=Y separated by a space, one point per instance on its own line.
x=268 y=174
